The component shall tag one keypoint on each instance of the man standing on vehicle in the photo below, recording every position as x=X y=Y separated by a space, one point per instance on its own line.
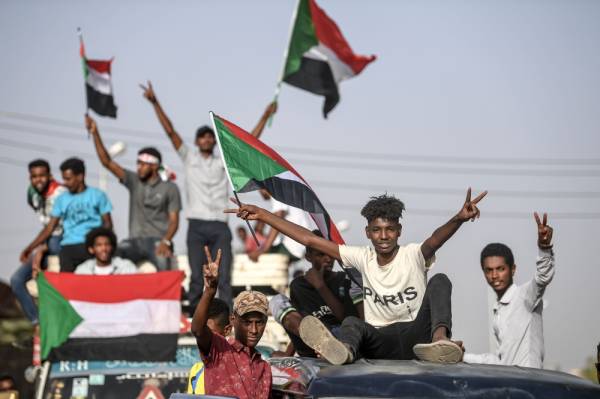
x=206 y=191
x=154 y=204
x=518 y=326
x=232 y=368
x=403 y=313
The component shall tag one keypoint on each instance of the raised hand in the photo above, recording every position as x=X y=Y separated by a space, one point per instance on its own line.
x=90 y=124
x=544 y=231
x=246 y=212
x=149 y=92
x=315 y=277
x=211 y=269
x=469 y=210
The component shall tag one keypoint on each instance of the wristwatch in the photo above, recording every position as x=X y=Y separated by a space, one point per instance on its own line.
x=166 y=242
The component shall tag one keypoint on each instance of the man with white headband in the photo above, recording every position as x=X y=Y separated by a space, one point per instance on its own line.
x=154 y=204
x=207 y=192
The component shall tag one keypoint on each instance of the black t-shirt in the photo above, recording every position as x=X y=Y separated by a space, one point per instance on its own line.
x=308 y=301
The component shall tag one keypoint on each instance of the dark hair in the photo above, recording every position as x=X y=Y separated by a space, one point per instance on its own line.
x=151 y=151
x=202 y=130
x=39 y=163
x=384 y=206
x=497 y=249
x=318 y=233
x=90 y=238
x=74 y=164
x=219 y=310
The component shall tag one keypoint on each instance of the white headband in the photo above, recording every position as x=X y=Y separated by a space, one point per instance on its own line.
x=147 y=158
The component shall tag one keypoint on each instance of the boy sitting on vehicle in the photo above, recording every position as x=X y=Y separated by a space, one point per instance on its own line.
x=102 y=244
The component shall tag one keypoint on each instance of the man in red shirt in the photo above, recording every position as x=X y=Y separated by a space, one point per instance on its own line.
x=233 y=368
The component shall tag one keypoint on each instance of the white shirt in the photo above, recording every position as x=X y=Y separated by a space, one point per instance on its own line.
x=117 y=266
x=206 y=185
x=393 y=292
x=517 y=327
x=294 y=215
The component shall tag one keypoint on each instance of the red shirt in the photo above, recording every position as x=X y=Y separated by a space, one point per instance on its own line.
x=232 y=369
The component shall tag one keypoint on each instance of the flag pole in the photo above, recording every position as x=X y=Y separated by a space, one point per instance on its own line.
x=212 y=119
x=285 y=55
x=82 y=55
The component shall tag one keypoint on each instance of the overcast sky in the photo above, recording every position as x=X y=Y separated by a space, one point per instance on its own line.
x=503 y=96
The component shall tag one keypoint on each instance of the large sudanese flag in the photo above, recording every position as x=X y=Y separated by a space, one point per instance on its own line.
x=98 y=86
x=133 y=317
x=318 y=56
x=252 y=165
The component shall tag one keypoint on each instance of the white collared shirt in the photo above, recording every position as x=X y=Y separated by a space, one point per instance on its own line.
x=517 y=327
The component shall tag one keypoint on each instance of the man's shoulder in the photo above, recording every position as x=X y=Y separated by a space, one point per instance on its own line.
x=299 y=282
x=86 y=267
x=169 y=185
x=94 y=192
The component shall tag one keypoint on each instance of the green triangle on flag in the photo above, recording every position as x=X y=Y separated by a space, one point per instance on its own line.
x=57 y=316
x=243 y=161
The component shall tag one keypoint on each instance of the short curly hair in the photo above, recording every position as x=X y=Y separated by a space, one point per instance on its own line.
x=384 y=206
x=90 y=238
x=498 y=249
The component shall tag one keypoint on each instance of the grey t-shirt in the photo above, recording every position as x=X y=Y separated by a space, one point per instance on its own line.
x=206 y=186
x=149 y=205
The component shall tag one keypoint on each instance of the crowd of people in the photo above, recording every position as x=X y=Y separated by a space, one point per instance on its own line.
x=392 y=312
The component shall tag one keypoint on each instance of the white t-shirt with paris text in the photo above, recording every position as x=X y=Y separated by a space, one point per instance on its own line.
x=394 y=292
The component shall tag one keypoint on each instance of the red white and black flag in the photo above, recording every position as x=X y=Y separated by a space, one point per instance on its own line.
x=251 y=165
x=319 y=57
x=98 y=85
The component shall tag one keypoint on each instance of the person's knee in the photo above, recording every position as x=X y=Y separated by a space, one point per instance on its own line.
x=351 y=321
x=16 y=281
x=440 y=279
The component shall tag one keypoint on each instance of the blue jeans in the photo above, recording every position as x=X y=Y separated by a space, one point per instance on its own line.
x=23 y=274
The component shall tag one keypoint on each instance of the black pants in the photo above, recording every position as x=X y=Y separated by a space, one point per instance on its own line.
x=71 y=256
x=143 y=248
x=397 y=340
x=216 y=235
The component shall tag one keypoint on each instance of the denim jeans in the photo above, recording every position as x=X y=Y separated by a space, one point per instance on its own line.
x=23 y=274
x=396 y=340
x=143 y=248
x=216 y=235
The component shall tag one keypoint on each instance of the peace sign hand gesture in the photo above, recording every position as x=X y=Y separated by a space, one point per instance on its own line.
x=211 y=269
x=469 y=209
x=149 y=92
x=544 y=231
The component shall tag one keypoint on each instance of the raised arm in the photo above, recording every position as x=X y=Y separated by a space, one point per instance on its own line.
x=292 y=230
x=162 y=117
x=103 y=155
x=260 y=126
x=544 y=272
x=469 y=211
x=41 y=238
x=211 y=281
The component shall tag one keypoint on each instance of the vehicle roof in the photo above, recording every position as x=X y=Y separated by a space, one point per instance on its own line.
x=411 y=378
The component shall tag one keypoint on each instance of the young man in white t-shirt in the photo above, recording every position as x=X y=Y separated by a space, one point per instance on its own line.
x=402 y=314
x=102 y=244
